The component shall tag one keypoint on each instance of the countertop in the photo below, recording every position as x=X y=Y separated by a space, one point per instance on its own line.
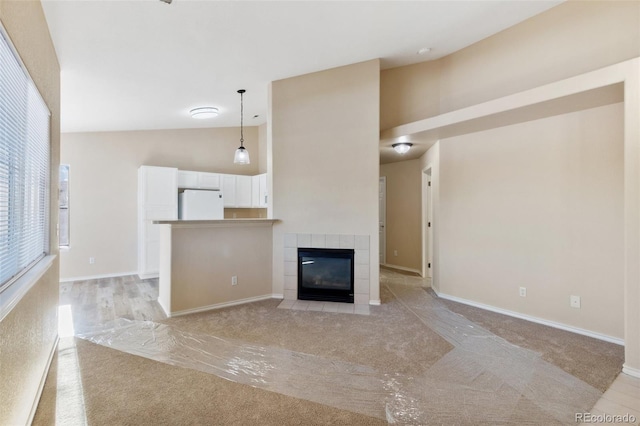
x=215 y=223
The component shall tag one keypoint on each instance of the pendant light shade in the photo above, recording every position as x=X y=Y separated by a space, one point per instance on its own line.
x=242 y=155
x=402 y=148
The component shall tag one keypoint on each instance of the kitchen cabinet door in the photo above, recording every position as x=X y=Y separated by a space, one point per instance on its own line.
x=263 y=193
x=157 y=200
x=255 y=191
x=187 y=179
x=198 y=180
x=229 y=190
x=243 y=191
x=208 y=180
x=159 y=186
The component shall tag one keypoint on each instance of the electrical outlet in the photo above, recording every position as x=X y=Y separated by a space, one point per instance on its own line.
x=523 y=292
x=234 y=280
x=92 y=260
x=574 y=301
x=395 y=252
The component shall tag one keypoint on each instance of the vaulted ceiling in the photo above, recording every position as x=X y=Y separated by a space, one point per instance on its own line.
x=143 y=64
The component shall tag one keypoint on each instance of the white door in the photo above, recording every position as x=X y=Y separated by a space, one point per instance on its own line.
x=382 y=208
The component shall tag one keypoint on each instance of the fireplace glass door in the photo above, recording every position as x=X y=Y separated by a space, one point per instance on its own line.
x=325 y=274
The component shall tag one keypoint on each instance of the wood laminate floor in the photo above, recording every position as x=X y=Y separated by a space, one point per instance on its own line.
x=96 y=302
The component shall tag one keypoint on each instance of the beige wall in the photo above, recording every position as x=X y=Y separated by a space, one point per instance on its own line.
x=262 y=148
x=537 y=205
x=409 y=93
x=317 y=121
x=30 y=330
x=570 y=39
x=573 y=38
x=203 y=260
x=103 y=186
x=404 y=214
x=245 y=213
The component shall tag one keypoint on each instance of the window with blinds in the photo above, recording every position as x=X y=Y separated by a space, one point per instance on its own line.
x=63 y=206
x=24 y=168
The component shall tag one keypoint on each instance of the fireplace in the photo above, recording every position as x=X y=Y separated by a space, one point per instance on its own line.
x=325 y=274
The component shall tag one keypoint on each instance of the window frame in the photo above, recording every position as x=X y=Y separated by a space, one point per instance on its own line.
x=14 y=287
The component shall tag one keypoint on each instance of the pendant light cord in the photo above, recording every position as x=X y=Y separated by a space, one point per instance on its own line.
x=241 y=118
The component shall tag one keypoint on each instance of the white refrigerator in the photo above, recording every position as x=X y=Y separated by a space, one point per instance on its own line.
x=196 y=204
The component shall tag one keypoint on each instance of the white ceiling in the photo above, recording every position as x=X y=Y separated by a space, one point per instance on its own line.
x=134 y=65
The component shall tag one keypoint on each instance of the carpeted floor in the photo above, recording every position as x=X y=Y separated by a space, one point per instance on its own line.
x=590 y=360
x=395 y=341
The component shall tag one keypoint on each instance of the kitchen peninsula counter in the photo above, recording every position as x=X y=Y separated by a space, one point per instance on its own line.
x=200 y=258
x=223 y=222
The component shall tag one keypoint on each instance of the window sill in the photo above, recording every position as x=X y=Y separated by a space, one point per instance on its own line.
x=10 y=296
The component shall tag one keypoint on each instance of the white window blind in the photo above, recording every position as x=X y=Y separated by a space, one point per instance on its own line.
x=63 y=206
x=24 y=168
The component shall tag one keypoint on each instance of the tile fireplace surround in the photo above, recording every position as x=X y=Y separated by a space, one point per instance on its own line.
x=360 y=244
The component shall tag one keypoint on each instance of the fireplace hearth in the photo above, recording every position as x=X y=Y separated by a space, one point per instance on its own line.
x=326 y=274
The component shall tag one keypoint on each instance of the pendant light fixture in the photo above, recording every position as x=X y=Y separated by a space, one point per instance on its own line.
x=402 y=148
x=242 y=155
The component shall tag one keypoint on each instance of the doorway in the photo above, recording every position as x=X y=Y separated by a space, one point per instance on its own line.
x=427 y=224
x=382 y=218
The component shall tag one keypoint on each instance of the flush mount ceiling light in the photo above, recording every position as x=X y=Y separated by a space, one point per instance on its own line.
x=402 y=148
x=204 y=112
x=242 y=155
x=423 y=51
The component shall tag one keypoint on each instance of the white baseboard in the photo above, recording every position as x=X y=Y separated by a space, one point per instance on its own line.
x=401 y=268
x=97 y=277
x=147 y=276
x=537 y=320
x=277 y=296
x=43 y=379
x=633 y=372
x=375 y=302
x=219 y=306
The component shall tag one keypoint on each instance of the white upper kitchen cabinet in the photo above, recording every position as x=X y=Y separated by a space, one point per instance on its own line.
x=229 y=190
x=236 y=190
x=157 y=200
x=243 y=191
x=198 y=180
x=187 y=179
x=255 y=191
x=259 y=191
x=208 y=180
x=158 y=186
x=263 y=191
